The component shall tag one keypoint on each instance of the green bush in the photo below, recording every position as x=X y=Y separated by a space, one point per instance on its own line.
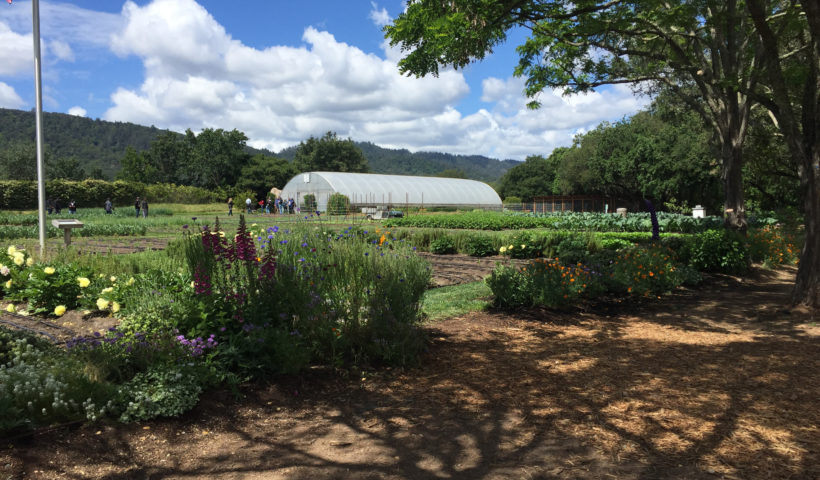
x=479 y=246
x=443 y=245
x=720 y=250
x=165 y=390
x=510 y=286
x=309 y=203
x=338 y=204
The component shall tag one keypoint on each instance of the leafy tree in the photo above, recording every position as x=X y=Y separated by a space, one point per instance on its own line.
x=263 y=173
x=452 y=173
x=18 y=160
x=67 y=168
x=216 y=157
x=338 y=204
x=137 y=168
x=169 y=154
x=329 y=154
x=532 y=178
x=720 y=56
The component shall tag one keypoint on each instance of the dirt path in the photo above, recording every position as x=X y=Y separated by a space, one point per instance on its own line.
x=715 y=383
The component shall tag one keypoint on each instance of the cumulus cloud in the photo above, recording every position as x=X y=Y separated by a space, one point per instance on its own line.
x=197 y=75
x=8 y=97
x=379 y=16
x=77 y=111
x=17 y=52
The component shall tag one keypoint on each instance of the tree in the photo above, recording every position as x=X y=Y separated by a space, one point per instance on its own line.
x=67 y=168
x=329 y=154
x=216 y=157
x=451 y=173
x=18 y=160
x=263 y=173
x=720 y=56
x=532 y=178
x=135 y=167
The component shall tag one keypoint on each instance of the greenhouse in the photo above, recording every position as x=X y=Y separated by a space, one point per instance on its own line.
x=376 y=191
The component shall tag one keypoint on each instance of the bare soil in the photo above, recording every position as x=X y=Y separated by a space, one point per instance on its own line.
x=717 y=382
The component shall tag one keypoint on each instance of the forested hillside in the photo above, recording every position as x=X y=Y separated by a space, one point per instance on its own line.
x=98 y=145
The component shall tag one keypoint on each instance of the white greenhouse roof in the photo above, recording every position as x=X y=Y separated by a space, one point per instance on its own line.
x=377 y=189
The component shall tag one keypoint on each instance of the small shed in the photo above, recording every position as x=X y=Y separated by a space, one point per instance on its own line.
x=369 y=190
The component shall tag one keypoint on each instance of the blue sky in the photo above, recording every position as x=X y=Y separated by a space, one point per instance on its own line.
x=280 y=71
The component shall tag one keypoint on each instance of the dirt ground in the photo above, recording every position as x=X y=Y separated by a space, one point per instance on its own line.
x=718 y=382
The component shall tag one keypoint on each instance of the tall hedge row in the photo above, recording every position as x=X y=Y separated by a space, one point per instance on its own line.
x=22 y=194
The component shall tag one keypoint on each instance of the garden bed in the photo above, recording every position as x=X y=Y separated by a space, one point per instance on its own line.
x=716 y=382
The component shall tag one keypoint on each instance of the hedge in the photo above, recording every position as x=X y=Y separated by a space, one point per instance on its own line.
x=22 y=194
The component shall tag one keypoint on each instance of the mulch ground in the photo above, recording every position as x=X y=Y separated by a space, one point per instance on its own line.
x=718 y=382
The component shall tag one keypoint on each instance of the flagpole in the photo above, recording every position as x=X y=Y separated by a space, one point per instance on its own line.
x=38 y=95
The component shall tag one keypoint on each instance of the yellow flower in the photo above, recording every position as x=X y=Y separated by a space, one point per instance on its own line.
x=130 y=281
x=221 y=233
x=10 y=308
x=29 y=261
x=84 y=282
x=23 y=313
x=101 y=275
x=107 y=289
x=60 y=310
x=86 y=312
x=102 y=303
x=523 y=246
x=19 y=261
x=12 y=250
x=510 y=247
x=115 y=307
x=253 y=225
x=502 y=249
x=113 y=279
x=8 y=284
x=49 y=270
x=192 y=284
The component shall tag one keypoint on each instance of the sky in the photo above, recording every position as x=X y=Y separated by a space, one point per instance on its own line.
x=281 y=71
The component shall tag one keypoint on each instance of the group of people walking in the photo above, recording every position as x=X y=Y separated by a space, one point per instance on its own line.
x=267 y=206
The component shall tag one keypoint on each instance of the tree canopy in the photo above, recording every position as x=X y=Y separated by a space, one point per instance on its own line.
x=329 y=154
x=720 y=56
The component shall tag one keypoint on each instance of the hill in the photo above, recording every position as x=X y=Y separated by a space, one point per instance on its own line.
x=101 y=144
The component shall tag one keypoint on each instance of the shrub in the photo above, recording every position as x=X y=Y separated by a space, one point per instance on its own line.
x=338 y=204
x=510 y=287
x=716 y=251
x=479 y=246
x=443 y=245
x=309 y=203
x=772 y=246
x=165 y=390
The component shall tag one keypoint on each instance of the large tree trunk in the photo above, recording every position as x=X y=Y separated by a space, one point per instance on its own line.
x=734 y=204
x=807 y=285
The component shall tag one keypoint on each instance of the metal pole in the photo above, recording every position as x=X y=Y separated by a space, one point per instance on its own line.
x=38 y=95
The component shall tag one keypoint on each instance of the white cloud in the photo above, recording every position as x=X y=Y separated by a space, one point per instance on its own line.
x=78 y=111
x=9 y=98
x=61 y=50
x=17 y=52
x=197 y=75
x=379 y=17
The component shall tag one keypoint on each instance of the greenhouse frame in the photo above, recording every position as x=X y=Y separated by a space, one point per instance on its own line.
x=377 y=191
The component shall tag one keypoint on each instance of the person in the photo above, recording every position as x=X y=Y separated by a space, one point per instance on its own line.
x=230 y=206
x=109 y=207
x=50 y=205
x=144 y=207
x=72 y=207
x=261 y=206
x=291 y=204
x=279 y=205
x=57 y=206
x=137 y=205
x=267 y=206
x=248 y=204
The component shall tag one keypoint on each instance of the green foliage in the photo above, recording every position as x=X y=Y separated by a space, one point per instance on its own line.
x=309 y=203
x=532 y=178
x=510 y=287
x=716 y=251
x=164 y=390
x=772 y=245
x=47 y=287
x=479 y=246
x=41 y=386
x=338 y=204
x=443 y=245
x=22 y=195
x=512 y=200
x=263 y=173
x=329 y=154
